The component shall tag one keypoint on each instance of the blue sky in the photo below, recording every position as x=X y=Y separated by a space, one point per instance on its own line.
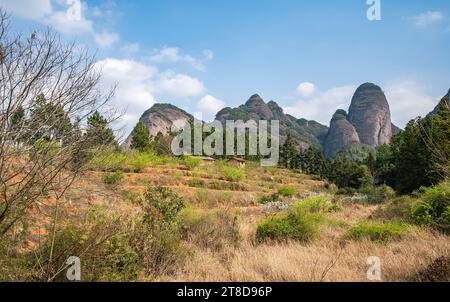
x=202 y=55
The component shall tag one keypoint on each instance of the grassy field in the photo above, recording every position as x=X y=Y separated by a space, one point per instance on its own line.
x=249 y=224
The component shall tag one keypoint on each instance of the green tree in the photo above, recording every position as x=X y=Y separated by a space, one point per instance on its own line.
x=312 y=161
x=346 y=173
x=161 y=144
x=382 y=165
x=49 y=121
x=411 y=159
x=418 y=156
x=288 y=153
x=140 y=137
x=99 y=132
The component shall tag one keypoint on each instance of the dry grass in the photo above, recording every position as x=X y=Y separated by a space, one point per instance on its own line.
x=327 y=258
x=320 y=261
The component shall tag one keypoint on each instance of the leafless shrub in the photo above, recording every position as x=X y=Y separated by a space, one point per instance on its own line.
x=48 y=89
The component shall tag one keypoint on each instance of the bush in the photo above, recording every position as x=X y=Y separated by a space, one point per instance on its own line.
x=110 y=248
x=210 y=230
x=113 y=178
x=15 y=267
x=197 y=183
x=398 y=210
x=269 y=198
x=230 y=186
x=295 y=226
x=139 y=161
x=233 y=174
x=108 y=161
x=161 y=208
x=131 y=161
x=434 y=208
x=192 y=162
x=288 y=191
x=316 y=204
x=105 y=250
x=378 y=194
x=159 y=239
x=377 y=232
x=346 y=191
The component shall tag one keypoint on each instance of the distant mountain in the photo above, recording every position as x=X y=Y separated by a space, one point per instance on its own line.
x=445 y=101
x=160 y=118
x=342 y=134
x=305 y=133
x=368 y=122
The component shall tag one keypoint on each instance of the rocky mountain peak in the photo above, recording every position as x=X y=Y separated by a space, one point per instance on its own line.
x=339 y=115
x=159 y=118
x=255 y=101
x=260 y=109
x=342 y=134
x=369 y=113
x=445 y=101
x=309 y=133
x=368 y=122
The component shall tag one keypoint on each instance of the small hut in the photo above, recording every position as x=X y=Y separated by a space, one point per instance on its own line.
x=208 y=160
x=237 y=162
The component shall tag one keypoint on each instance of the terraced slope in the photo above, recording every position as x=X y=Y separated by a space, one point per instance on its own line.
x=215 y=254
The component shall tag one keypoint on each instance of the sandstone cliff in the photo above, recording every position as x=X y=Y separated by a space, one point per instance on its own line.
x=160 y=118
x=342 y=134
x=368 y=122
x=369 y=113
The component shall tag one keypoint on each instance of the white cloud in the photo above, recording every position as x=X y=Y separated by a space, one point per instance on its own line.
x=408 y=100
x=60 y=18
x=306 y=89
x=63 y=23
x=106 y=39
x=428 y=18
x=29 y=9
x=140 y=84
x=179 y=85
x=209 y=106
x=173 y=55
x=131 y=48
x=132 y=79
x=322 y=106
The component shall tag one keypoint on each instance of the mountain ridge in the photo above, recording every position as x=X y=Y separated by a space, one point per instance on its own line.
x=305 y=133
x=366 y=123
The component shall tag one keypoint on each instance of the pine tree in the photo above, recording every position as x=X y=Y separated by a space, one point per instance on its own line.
x=99 y=131
x=346 y=173
x=420 y=154
x=161 y=144
x=140 y=137
x=288 y=153
x=49 y=121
